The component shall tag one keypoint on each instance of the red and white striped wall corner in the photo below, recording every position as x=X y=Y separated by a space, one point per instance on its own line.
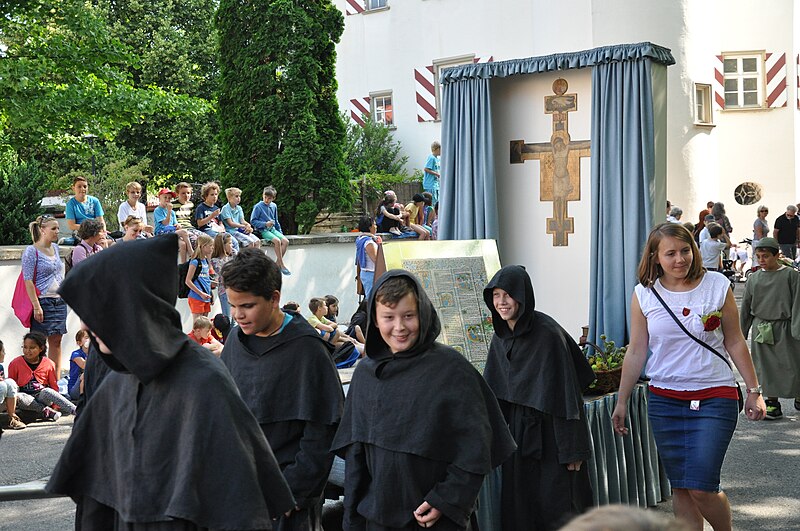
x=426 y=90
x=354 y=7
x=777 y=90
x=360 y=107
x=775 y=68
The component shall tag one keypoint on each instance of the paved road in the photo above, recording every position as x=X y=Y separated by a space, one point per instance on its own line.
x=30 y=455
x=760 y=474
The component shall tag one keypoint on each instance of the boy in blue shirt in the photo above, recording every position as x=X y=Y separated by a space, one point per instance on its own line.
x=207 y=213
x=265 y=219
x=77 y=362
x=232 y=217
x=430 y=179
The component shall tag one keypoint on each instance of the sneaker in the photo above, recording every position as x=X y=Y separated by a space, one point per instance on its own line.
x=14 y=423
x=285 y=271
x=395 y=231
x=797 y=404
x=773 y=411
x=51 y=414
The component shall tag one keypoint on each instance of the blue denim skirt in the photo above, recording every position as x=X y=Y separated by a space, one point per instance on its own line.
x=692 y=444
x=55 y=317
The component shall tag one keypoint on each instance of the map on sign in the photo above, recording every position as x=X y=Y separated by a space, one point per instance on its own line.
x=454 y=274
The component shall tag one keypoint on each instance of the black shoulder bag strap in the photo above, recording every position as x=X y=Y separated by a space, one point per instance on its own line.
x=680 y=324
x=700 y=342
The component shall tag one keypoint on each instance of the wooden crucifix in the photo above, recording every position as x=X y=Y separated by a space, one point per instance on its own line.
x=559 y=162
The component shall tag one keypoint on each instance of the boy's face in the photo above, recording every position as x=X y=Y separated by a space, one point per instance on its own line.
x=506 y=306
x=164 y=200
x=267 y=199
x=322 y=310
x=256 y=315
x=767 y=260
x=80 y=188
x=437 y=151
x=134 y=195
x=184 y=194
x=234 y=199
x=211 y=196
x=202 y=333
x=399 y=324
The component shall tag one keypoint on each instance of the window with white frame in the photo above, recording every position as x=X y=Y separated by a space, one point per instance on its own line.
x=382 y=108
x=437 y=70
x=375 y=4
x=744 y=80
x=702 y=104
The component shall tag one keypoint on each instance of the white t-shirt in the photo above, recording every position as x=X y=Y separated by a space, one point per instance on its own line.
x=125 y=210
x=678 y=362
x=370 y=262
x=710 y=251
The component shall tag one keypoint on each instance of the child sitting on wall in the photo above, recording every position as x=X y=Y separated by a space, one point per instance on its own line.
x=264 y=218
x=232 y=217
x=327 y=329
x=166 y=222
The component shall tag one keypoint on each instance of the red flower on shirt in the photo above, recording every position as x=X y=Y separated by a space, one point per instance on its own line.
x=712 y=321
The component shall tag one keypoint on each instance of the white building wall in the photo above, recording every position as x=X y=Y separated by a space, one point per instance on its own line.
x=757 y=145
x=380 y=51
x=560 y=275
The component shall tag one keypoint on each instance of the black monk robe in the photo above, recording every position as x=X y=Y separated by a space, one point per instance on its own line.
x=292 y=387
x=538 y=372
x=419 y=425
x=165 y=443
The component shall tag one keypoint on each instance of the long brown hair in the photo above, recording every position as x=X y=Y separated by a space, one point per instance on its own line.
x=650 y=271
x=219 y=245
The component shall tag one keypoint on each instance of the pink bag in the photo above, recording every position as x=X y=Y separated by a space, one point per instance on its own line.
x=23 y=308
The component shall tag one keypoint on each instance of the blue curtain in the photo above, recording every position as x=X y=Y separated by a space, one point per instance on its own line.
x=623 y=172
x=468 y=199
x=559 y=61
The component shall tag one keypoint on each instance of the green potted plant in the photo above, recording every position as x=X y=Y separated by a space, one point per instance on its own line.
x=606 y=362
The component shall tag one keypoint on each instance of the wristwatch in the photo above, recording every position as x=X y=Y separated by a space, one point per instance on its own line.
x=756 y=389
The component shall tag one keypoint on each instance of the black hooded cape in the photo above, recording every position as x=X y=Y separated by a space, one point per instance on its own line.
x=538 y=372
x=165 y=441
x=419 y=425
x=292 y=387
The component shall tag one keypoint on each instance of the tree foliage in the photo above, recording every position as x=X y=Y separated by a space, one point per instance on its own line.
x=371 y=149
x=279 y=118
x=63 y=74
x=175 y=44
x=22 y=185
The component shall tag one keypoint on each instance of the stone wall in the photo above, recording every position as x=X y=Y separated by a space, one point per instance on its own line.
x=320 y=265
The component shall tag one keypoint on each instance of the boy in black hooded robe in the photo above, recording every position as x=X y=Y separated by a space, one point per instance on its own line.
x=165 y=443
x=537 y=373
x=421 y=428
x=284 y=370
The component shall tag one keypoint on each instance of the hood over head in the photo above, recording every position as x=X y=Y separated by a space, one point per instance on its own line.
x=515 y=281
x=429 y=324
x=126 y=295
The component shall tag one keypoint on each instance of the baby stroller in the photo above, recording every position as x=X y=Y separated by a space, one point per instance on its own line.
x=728 y=271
